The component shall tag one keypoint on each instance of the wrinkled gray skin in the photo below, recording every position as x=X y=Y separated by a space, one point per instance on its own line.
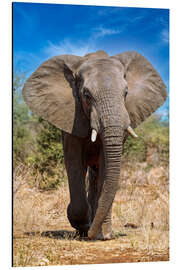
x=78 y=94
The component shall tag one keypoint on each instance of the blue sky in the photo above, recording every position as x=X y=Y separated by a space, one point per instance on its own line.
x=41 y=31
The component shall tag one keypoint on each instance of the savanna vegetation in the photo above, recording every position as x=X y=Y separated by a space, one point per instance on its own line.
x=42 y=234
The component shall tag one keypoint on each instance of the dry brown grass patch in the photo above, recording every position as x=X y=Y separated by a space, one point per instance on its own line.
x=43 y=235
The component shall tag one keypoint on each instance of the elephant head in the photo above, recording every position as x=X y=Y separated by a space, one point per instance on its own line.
x=97 y=95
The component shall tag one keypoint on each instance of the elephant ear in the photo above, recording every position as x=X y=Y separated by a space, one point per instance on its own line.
x=146 y=90
x=50 y=93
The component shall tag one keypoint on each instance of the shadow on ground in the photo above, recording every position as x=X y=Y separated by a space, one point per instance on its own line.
x=62 y=234
x=67 y=235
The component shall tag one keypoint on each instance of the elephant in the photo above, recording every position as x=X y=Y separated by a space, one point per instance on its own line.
x=96 y=100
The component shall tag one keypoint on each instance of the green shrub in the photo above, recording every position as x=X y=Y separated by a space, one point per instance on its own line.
x=48 y=160
x=152 y=134
x=22 y=138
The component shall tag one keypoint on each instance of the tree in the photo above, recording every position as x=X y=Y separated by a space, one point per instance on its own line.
x=21 y=115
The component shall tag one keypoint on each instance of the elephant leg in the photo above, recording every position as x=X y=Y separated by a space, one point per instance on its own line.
x=78 y=211
x=93 y=190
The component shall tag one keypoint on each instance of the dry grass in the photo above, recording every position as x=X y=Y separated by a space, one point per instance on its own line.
x=43 y=235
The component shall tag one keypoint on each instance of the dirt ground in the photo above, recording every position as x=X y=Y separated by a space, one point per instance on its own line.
x=43 y=235
x=38 y=251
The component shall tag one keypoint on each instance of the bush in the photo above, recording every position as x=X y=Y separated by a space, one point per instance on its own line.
x=48 y=160
x=152 y=135
x=22 y=138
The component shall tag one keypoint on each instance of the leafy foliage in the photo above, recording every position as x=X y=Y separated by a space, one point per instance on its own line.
x=48 y=162
x=153 y=136
x=22 y=139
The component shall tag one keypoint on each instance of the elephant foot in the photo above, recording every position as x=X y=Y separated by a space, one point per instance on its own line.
x=79 y=218
x=107 y=230
x=104 y=234
x=101 y=236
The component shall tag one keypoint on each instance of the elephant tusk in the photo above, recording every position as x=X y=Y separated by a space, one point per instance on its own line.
x=131 y=132
x=93 y=135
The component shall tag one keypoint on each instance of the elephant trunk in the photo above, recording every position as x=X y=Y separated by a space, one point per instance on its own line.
x=112 y=138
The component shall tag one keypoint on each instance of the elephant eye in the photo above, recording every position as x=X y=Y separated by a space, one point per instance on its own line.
x=126 y=92
x=87 y=96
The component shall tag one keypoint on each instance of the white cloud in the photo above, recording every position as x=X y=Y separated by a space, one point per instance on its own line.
x=109 y=11
x=165 y=35
x=66 y=47
x=79 y=48
x=29 y=20
x=25 y=61
x=163 y=21
x=101 y=32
